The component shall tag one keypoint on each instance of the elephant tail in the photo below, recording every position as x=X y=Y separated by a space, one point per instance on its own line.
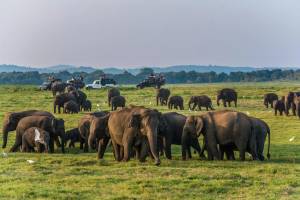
x=269 y=140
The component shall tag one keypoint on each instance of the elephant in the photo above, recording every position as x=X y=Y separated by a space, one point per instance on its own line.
x=223 y=128
x=170 y=130
x=227 y=95
x=58 y=87
x=71 y=107
x=279 y=105
x=84 y=127
x=289 y=102
x=112 y=92
x=12 y=119
x=71 y=88
x=162 y=96
x=296 y=108
x=99 y=134
x=80 y=96
x=55 y=127
x=35 y=137
x=61 y=99
x=260 y=132
x=200 y=101
x=176 y=102
x=117 y=101
x=87 y=105
x=74 y=136
x=127 y=124
x=269 y=98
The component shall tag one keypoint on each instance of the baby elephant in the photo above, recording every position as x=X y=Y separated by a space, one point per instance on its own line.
x=71 y=107
x=279 y=106
x=86 y=105
x=35 y=138
x=74 y=136
x=117 y=101
x=176 y=102
x=200 y=101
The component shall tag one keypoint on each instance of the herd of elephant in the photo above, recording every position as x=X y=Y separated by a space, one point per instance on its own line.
x=284 y=104
x=137 y=131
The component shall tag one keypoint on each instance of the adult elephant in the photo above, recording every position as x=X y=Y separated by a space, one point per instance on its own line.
x=170 y=129
x=200 y=101
x=130 y=123
x=162 y=96
x=223 y=128
x=269 y=98
x=112 y=92
x=260 y=132
x=84 y=127
x=55 y=127
x=176 y=102
x=58 y=87
x=12 y=119
x=61 y=99
x=227 y=95
x=99 y=134
x=289 y=102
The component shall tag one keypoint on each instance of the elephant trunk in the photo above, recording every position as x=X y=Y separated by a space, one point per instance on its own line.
x=91 y=140
x=269 y=138
x=5 y=134
x=218 y=100
x=152 y=138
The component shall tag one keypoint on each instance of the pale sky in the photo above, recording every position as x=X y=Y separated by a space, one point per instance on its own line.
x=130 y=33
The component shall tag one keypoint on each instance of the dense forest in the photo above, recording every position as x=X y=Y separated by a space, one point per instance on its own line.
x=35 y=77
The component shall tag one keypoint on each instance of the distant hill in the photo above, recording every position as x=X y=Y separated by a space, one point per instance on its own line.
x=119 y=70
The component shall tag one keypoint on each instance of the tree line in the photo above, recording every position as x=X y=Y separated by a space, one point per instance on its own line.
x=35 y=77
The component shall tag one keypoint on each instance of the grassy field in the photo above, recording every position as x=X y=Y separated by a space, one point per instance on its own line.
x=77 y=175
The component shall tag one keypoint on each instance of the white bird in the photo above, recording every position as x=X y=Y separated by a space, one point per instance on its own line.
x=30 y=161
x=98 y=105
x=4 y=154
x=292 y=138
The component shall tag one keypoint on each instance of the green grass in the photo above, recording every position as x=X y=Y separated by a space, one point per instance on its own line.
x=77 y=175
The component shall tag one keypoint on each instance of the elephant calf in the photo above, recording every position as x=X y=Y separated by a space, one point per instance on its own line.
x=278 y=105
x=200 y=101
x=112 y=92
x=176 y=102
x=71 y=107
x=74 y=136
x=35 y=137
x=117 y=101
x=87 y=105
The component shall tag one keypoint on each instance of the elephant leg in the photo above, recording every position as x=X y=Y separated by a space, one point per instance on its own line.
x=235 y=103
x=116 y=151
x=229 y=103
x=127 y=145
x=81 y=144
x=167 y=147
x=276 y=112
x=102 y=147
x=86 y=145
x=212 y=146
x=51 y=145
x=224 y=103
x=194 y=106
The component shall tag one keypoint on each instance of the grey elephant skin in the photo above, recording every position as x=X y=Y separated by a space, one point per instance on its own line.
x=12 y=119
x=227 y=95
x=126 y=125
x=223 y=128
x=29 y=140
x=55 y=127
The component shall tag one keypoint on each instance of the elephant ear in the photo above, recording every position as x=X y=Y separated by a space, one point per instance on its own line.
x=135 y=121
x=199 y=124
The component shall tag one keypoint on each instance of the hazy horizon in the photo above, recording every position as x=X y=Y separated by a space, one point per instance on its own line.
x=135 y=33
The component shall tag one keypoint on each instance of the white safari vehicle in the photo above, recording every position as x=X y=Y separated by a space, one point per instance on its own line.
x=102 y=83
